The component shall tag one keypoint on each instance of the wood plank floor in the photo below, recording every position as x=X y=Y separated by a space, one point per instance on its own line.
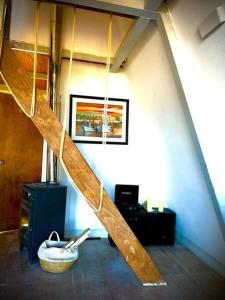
x=101 y=273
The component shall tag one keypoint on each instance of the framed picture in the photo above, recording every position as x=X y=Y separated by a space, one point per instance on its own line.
x=86 y=120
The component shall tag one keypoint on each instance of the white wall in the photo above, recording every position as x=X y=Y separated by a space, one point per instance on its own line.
x=92 y=31
x=172 y=163
x=203 y=76
x=91 y=27
x=23 y=20
x=89 y=79
x=160 y=156
x=126 y=164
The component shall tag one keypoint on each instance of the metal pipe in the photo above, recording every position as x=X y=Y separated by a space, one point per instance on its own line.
x=44 y=162
x=54 y=71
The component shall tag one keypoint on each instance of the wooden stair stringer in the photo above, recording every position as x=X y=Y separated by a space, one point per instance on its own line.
x=50 y=128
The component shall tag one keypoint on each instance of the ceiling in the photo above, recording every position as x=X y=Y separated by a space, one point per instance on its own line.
x=91 y=28
x=90 y=36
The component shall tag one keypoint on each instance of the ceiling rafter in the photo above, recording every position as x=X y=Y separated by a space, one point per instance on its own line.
x=106 y=7
x=142 y=18
x=134 y=34
x=84 y=57
x=128 y=42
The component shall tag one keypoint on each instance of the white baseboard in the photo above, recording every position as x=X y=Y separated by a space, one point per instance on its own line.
x=202 y=254
x=95 y=233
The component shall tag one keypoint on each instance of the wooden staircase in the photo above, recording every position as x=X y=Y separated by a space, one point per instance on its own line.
x=50 y=128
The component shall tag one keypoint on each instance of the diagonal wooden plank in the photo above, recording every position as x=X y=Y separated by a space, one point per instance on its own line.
x=132 y=36
x=51 y=129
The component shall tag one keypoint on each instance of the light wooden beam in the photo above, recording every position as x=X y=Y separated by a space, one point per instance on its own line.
x=106 y=7
x=51 y=129
x=5 y=90
x=40 y=76
x=128 y=43
x=22 y=46
x=86 y=57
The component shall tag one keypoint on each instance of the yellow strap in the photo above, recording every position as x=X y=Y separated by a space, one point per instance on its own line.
x=66 y=110
x=106 y=99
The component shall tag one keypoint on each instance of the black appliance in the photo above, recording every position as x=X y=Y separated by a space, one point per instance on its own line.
x=151 y=228
x=126 y=195
x=43 y=207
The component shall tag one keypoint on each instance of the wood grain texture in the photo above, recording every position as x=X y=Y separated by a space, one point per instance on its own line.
x=26 y=59
x=21 y=149
x=51 y=129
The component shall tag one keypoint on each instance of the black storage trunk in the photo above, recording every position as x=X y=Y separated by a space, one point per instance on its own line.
x=43 y=208
x=151 y=228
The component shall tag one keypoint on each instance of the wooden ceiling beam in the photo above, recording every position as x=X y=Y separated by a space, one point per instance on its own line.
x=128 y=43
x=22 y=46
x=134 y=34
x=39 y=76
x=85 y=57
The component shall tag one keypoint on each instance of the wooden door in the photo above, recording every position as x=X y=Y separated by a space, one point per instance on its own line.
x=21 y=150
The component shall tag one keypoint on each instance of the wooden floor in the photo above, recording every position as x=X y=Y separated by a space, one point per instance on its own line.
x=101 y=273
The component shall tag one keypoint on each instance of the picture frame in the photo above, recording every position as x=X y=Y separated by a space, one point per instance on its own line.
x=86 y=120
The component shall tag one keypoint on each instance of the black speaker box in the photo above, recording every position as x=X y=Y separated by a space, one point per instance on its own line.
x=126 y=194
